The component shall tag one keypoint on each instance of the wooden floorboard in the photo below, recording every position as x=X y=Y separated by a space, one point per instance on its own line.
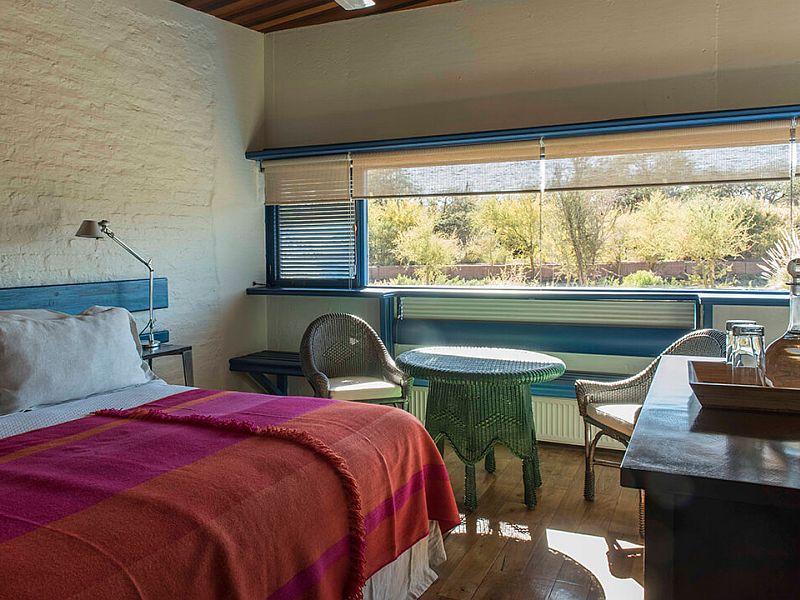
x=564 y=549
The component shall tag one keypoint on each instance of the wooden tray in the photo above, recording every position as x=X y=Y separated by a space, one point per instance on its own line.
x=718 y=385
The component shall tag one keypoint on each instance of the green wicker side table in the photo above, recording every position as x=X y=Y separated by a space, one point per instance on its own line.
x=479 y=397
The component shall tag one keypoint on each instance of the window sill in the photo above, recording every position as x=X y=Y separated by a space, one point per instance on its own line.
x=713 y=297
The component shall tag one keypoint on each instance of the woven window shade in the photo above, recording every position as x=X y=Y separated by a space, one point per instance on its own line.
x=307 y=180
x=462 y=170
x=739 y=152
x=757 y=133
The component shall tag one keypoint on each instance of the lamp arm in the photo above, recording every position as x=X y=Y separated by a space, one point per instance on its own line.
x=147 y=262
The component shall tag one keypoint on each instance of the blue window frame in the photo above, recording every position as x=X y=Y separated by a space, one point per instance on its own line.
x=317 y=245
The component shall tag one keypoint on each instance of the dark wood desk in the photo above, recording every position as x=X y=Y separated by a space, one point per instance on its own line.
x=269 y=362
x=722 y=509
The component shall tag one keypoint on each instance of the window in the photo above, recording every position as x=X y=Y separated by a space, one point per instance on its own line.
x=705 y=206
x=311 y=222
x=699 y=207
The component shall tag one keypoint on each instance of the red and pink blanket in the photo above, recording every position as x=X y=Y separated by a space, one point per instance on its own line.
x=209 y=494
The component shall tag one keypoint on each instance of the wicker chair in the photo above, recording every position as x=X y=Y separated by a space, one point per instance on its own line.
x=613 y=407
x=343 y=358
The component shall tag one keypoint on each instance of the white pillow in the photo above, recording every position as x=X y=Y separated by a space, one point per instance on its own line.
x=33 y=313
x=53 y=360
x=41 y=314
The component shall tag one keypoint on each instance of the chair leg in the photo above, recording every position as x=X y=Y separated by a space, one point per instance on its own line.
x=589 y=450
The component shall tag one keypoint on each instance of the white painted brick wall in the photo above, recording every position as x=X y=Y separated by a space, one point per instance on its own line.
x=138 y=112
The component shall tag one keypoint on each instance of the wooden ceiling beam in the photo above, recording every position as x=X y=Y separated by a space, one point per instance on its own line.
x=271 y=24
x=319 y=19
x=203 y=5
x=229 y=9
x=277 y=10
x=276 y=15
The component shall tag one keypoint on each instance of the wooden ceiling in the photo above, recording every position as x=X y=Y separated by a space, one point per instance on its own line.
x=274 y=15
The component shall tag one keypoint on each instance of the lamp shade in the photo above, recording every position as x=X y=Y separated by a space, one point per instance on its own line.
x=89 y=229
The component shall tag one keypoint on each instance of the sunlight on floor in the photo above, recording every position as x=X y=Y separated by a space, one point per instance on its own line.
x=514 y=531
x=599 y=556
x=615 y=564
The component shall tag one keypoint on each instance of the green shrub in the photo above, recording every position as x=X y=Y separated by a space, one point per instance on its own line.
x=641 y=279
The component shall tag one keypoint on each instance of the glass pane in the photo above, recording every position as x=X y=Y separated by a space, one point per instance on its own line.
x=455 y=240
x=681 y=236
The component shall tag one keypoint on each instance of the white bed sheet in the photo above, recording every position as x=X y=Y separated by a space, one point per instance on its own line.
x=53 y=414
x=405 y=578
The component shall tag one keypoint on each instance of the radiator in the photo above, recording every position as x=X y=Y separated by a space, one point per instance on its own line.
x=556 y=419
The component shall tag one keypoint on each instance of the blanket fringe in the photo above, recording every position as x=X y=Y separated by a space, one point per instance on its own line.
x=355 y=517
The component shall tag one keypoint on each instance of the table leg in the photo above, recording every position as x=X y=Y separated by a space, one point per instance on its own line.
x=470 y=492
x=537 y=473
x=489 y=463
x=283 y=384
x=188 y=368
x=265 y=383
x=529 y=469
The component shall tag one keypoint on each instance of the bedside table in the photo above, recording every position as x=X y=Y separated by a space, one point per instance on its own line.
x=173 y=350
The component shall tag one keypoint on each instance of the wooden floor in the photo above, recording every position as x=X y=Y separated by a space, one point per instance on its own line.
x=565 y=548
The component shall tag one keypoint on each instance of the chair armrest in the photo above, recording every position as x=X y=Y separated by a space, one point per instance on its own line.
x=393 y=373
x=319 y=381
x=632 y=390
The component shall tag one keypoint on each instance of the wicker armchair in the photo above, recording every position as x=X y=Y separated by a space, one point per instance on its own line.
x=343 y=358
x=613 y=407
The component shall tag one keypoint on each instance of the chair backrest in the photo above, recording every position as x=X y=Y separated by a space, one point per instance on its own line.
x=703 y=342
x=338 y=345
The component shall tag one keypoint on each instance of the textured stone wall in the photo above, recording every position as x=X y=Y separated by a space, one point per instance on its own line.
x=138 y=112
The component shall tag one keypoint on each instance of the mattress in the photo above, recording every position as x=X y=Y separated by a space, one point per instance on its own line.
x=407 y=577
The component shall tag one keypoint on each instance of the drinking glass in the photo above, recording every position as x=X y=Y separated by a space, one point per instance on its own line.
x=729 y=335
x=748 y=347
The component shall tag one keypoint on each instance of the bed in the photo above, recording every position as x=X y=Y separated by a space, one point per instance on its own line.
x=162 y=491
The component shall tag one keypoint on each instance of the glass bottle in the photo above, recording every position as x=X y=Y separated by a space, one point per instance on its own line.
x=783 y=355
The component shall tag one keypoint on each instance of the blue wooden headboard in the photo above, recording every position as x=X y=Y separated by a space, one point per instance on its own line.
x=73 y=298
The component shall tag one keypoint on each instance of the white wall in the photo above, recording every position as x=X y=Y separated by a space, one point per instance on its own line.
x=489 y=64
x=290 y=315
x=138 y=112
x=774 y=319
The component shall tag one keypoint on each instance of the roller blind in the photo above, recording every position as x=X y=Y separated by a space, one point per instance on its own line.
x=758 y=133
x=755 y=151
x=477 y=169
x=750 y=151
x=305 y=180
x=316 y=241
